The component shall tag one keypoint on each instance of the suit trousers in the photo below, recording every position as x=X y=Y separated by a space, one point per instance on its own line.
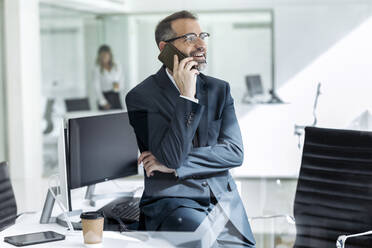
x=188 y=219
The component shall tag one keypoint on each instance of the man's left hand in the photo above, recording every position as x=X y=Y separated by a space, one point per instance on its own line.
x=151 y=164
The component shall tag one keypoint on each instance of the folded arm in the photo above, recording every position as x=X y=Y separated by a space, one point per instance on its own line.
x=226 y=154
x=168 y=140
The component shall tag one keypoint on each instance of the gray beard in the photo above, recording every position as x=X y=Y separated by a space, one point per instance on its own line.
x=201 y=66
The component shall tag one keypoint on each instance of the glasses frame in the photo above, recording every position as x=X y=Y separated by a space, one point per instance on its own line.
x=186 y=35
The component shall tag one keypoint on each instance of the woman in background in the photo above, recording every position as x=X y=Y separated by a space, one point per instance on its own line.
x=108 y=80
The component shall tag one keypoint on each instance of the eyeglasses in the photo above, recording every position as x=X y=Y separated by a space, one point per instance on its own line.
x=191 y=37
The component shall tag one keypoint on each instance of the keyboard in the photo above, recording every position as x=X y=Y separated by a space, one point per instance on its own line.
x=124 y=208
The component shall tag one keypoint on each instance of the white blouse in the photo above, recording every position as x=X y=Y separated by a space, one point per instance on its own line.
x=103 y=81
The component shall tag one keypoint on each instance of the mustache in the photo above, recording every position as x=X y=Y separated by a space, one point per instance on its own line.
x=200 y=50
x=194 y=53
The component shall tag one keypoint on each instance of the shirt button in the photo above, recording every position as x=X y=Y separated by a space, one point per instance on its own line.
x=204 y=184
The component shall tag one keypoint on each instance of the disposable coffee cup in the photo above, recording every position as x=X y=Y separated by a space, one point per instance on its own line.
x=92 y=223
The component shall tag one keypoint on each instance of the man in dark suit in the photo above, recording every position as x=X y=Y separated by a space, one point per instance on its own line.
x=189 y=138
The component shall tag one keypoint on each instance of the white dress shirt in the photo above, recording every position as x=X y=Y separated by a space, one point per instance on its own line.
x=103 y=81
x=195 y=100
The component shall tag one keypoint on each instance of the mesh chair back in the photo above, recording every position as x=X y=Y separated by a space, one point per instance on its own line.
x=77 y=104
x=334 y=190
x=8 y=206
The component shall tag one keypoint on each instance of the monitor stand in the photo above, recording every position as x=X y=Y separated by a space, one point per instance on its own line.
x=60 y=219
x=46 y=215
x=275 y=99
x=93 y=198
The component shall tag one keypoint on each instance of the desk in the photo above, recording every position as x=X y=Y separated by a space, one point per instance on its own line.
x=29 y=223
x=204 y=236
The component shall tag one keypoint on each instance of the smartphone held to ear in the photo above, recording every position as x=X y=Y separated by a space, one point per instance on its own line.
x=167 y=54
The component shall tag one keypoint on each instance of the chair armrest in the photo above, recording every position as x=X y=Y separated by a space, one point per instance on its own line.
x=341 y=240
x=290 y=219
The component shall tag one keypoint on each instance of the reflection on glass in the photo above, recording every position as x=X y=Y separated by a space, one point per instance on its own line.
x=76 y=71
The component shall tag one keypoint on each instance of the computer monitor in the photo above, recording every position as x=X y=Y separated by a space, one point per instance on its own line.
x=254 y=85
x=96 y=149
x=77 y=104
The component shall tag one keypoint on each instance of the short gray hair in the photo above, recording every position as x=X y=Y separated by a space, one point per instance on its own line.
x=164 y=29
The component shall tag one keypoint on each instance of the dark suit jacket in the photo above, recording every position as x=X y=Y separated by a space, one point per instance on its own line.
x=165 y=124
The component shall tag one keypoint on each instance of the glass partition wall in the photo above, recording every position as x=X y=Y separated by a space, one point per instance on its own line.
x=69 y=40
x=241 y=44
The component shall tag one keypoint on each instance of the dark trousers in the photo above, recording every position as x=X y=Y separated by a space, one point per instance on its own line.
x=187 y=219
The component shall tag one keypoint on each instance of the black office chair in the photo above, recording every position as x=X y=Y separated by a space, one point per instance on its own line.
x=8 y=206
x=77 y=104
x=334 y=190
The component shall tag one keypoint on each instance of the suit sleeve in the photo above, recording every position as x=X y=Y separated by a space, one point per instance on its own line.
x=168 y=140
x=226 y=154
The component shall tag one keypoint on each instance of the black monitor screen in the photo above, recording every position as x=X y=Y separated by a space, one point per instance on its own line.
x=100 y=148
x=254 y=85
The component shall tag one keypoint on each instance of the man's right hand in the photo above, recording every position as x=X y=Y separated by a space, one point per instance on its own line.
x=184 y=76
x=151 y=164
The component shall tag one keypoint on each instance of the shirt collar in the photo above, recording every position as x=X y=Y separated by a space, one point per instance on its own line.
x=172 y=79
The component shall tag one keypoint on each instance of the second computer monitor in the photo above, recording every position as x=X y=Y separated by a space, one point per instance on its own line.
x=254 y=85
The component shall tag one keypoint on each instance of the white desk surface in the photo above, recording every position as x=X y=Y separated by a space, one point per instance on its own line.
x=205 y=234
x=29 y=223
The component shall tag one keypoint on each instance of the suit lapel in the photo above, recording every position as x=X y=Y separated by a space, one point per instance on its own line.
x=202 y=95
x=169 y=91
x=171 y=94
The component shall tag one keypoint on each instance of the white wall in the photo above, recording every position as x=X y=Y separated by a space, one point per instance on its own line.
x=319 y=43
x=304 y=32
x=345 y=73
x=23 y=87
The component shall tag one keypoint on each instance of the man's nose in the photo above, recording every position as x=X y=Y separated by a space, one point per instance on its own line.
x=200 y=44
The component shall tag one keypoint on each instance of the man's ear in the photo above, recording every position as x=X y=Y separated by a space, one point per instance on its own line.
x=161 y=45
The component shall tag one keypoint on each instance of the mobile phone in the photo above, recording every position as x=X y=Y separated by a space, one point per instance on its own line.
x=34 y=238
x=167 y=54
